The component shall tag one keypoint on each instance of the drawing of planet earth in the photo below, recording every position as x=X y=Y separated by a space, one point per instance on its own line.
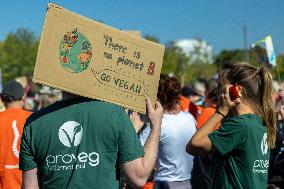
x=75 y=52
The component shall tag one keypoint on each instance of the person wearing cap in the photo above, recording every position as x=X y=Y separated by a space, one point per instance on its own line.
x=11 y=127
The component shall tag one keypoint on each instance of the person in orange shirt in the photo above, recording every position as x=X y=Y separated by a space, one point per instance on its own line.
x=11 y=127
x=187 y=100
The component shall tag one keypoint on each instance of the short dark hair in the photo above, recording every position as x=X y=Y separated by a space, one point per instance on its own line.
x=7 y=98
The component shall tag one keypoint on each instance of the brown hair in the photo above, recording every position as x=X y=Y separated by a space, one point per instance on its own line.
x=257 y=85
x=169 y=91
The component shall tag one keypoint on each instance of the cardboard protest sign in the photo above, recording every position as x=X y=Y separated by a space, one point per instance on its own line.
x=87 y=58
x=133 y=32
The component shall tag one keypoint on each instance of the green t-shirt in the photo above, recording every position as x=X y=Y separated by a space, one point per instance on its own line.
x=79 y=144
x=243 y=158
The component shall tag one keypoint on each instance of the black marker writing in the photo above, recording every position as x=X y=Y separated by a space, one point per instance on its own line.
x=114 y=46
x=124 y=61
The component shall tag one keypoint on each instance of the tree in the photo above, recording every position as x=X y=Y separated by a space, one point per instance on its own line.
x=175 y=61
x=280 y=67
x=18 y=54
x=257 y=56
x=188 y=66
x=201 y=52
x=200 y=62
x=229 y=55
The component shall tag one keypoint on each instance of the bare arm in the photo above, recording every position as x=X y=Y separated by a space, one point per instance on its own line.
x=138 y=170
x=200 y=144
x=136 y=121
x=31 y=179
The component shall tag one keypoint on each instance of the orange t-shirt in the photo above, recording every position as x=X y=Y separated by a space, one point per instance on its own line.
x=148 y=185
x=206 y=113
x=11 y=128
x=186 y=105
x=183 y=104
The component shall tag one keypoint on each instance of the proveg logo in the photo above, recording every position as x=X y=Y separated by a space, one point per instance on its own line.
x=261 y=166
x=70 y=135
x=264 y=145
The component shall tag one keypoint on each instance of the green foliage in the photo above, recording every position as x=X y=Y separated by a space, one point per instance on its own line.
x=257 y=57
x=229 y=55
x=200 y=71
x=183 y=66
x=18 y=54
x=280 y=67
x=173 y=60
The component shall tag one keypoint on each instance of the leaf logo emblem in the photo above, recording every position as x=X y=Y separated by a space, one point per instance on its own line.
x=70 y=133
x=264 y=145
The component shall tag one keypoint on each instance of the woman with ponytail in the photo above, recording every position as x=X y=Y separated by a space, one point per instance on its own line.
x=241 y=146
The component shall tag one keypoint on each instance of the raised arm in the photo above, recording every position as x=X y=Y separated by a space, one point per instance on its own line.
x=138 y=170
x=200 y=144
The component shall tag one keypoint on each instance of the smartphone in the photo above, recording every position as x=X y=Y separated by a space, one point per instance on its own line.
x=235 y=92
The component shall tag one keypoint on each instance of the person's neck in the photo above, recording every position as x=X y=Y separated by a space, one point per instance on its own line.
x=15 y=104
x=172 y=111
x=243 y=108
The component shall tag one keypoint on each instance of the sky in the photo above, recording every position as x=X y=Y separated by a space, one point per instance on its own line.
x=220 y=22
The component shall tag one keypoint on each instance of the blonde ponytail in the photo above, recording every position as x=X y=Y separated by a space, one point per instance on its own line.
x=267 y=105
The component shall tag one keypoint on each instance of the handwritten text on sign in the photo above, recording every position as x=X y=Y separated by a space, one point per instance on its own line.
x=120 y=82
x=133 y=63
x=118 y=55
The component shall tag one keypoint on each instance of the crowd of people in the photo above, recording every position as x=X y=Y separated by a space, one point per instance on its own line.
x=225 y=132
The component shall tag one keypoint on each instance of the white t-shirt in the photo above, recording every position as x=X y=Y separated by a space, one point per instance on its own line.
x=143 y=136
x=173 y=163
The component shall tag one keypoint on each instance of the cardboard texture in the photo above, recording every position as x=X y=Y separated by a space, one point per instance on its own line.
x=134 y=32
x=85 y=57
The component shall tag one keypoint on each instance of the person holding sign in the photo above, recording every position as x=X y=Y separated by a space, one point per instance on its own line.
x=81 y=143
x=241 y=145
